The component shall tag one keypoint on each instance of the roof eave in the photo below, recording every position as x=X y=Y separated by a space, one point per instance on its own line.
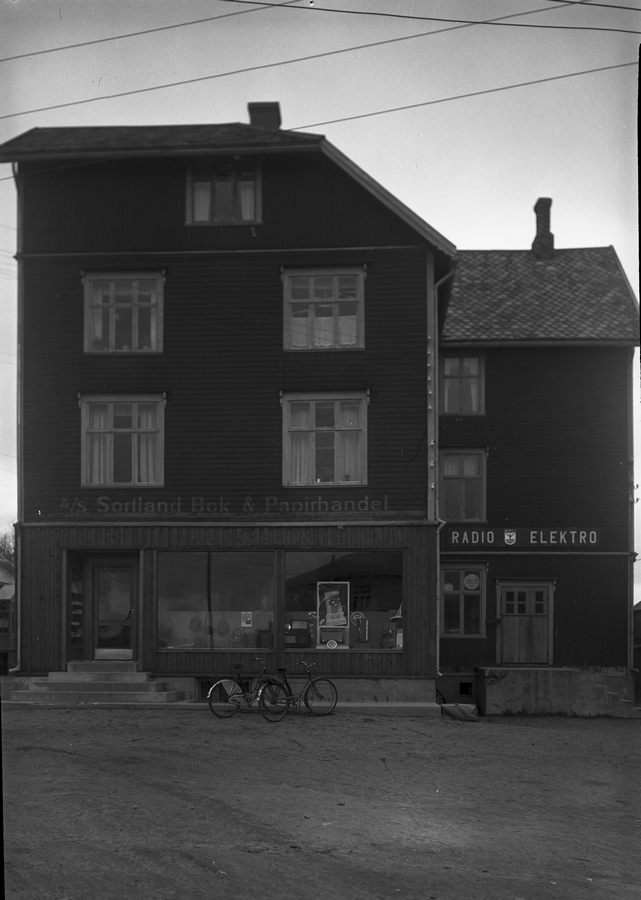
x=63 y=155
x=542 y=342
x=393 y=203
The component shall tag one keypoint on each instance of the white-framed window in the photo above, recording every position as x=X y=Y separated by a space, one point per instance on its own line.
x=224 y=192
x=123 y=312
x=462 y=384
x=325 y=438
x=324 y=309
x=462 y=600
x=462 y=497
x=122 y=440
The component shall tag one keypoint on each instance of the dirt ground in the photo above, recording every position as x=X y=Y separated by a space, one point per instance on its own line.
x=106 y=804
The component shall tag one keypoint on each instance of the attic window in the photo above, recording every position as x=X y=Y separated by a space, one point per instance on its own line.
x=223 y=192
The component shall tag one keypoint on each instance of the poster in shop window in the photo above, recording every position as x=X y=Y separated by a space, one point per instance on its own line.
x=333 y=603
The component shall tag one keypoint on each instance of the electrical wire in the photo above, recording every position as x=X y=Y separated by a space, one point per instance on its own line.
x=358 y=12
x=121 y=37
x=506 y=87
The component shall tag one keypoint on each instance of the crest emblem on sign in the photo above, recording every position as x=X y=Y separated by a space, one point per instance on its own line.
x=510 y=536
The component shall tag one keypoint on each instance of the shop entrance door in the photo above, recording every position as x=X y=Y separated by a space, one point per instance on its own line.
x=525 y=618
x=113 y=587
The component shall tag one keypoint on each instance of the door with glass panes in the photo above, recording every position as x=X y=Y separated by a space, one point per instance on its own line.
x=524 y=629
x=112 y=583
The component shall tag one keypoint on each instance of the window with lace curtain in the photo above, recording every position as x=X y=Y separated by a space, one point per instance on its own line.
x=122 y=440
x=325 y=439
x=323 y=309
x=123 y=313
x=462 y=496
x=462 y=385
x=223 y=192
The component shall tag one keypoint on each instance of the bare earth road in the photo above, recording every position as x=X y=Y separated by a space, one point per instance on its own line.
x=113 y=804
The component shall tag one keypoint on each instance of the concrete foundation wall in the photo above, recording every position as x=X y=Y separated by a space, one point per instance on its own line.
x=543 y=691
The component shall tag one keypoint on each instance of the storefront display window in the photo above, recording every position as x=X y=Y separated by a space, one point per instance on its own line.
x=216 y=601
x=343 y=601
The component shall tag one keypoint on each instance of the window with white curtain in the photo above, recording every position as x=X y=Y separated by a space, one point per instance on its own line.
x=325 y=439
x=324 y=309
x=123 y=313
x=122 y=440
x=462 y=385
x=462 y=497
x=224 y=192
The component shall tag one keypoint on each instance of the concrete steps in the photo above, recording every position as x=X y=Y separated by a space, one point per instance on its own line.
x=102 y=681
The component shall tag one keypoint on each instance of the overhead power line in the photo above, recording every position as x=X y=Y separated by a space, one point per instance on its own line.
x=259 y=6
x=121 y=37
x=507 y=87
x=264 y=66
x=396 y=15
x=383 y=112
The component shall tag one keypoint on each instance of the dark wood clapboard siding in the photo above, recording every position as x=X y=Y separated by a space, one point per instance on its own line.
x=591 y=610
x=139 y=205
x=566 y=462
x=223 y=419
x=41 y=591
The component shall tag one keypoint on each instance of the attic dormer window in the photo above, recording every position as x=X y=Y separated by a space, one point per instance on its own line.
x=223 y=192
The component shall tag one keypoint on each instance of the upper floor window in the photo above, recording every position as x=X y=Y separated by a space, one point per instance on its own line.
x=463 y=386
x=462 y=485
x=122 y=440
x=324 y=309
x=123 y=313
x=325 y=439
x=223 y=192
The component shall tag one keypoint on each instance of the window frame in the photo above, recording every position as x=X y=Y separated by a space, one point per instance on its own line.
x=451 y=354
x=215 y=166
x=84 y=401
x=88 y=278
x=288 y=274
x=323 y=396
x=481 y=570
x=463 y=451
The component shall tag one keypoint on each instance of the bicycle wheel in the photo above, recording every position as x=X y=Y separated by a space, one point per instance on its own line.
x=273 y=702
x=224 y=698
x=321 y=696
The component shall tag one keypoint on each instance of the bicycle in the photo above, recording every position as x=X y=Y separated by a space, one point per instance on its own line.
x=227 y=695
x=318 y=694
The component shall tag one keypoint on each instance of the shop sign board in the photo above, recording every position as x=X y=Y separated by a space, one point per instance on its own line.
x=460 y=537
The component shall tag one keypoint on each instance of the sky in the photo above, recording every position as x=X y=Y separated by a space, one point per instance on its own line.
x=467 y=124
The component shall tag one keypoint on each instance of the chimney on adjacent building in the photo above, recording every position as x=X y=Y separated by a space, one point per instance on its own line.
x=543 y=243
x=264 y=115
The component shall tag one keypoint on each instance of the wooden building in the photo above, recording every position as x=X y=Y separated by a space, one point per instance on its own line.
x=228 y=410
x=267 y=412
x=535 y=442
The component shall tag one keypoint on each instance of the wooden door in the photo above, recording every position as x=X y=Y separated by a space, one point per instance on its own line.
x=524 y=624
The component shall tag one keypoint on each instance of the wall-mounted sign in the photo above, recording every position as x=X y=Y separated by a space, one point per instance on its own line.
x=117 y=505
x=466 y=538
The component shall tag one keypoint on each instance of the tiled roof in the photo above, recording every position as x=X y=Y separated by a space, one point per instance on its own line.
x=511 y=295
x=52 y=142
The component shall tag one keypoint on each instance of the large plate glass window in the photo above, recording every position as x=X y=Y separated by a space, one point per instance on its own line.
x=122 y=440
x=462 y=485
x=342 y=600
x=463 y=601
x=223 y=192
x=216 y=601
x=324 y=309
x=123 y=313
x=462 y=384
x=325 y=439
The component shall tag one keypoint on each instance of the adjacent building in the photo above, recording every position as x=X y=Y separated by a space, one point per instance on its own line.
x=267 y=412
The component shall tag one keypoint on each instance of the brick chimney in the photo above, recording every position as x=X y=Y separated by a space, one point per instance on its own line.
x=264 y=115
x=543 y=243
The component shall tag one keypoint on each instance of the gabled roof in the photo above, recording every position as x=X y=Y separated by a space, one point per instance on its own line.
x=113 y=140
x=513 y=296
x=128 y=141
